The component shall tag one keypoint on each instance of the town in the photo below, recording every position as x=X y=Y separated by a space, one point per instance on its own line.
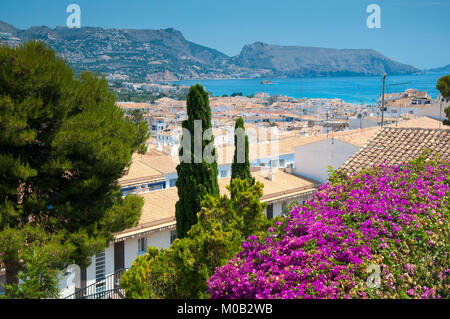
x=224 y=158
x=293 y=142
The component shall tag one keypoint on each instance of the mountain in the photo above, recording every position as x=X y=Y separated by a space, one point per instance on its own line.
x=159 y=55
x=294 y=61
x=141 y=54
x=444 y=69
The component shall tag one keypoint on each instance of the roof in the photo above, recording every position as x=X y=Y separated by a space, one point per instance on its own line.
x=159 y=205
x=287 y=144
x=282 y=183
x=155 y=163
x=152 y=165
x=395 y=145
x=421 y=122
x=139 y=171
x=160 y=161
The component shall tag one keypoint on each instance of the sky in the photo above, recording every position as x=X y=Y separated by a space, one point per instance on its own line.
x=415 y=32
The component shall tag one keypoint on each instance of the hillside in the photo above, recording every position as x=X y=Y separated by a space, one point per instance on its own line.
x=141 y=54
x=156 y=55
x=293 y=61
x=443 y=69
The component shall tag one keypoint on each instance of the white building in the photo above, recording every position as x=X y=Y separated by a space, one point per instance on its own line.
x=157 y=227
x=312 y=160
x=435 y=110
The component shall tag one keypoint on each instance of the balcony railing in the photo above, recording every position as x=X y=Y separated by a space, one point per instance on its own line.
x=107 y=288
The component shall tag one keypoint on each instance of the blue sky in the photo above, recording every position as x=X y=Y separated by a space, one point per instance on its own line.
x=412 y=31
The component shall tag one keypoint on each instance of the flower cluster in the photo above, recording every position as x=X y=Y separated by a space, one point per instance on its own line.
x=391 y=218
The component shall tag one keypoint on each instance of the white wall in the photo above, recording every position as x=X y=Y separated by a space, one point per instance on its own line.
x=109 y=265
x=312 y=160
x=356 y=123
x=160 y=239
x=435 y=111
x=277 y=206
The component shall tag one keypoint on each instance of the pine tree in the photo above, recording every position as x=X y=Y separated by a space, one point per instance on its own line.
x=240 y=168
x=197 y=171
x=63 y=146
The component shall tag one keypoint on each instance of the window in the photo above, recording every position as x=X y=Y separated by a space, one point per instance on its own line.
x=172 y=182
x=223 y=173
x=283 y=207
x=154 y=187
x=100 y=266
x=173 y=236
x=270 y=211
x=142 y=245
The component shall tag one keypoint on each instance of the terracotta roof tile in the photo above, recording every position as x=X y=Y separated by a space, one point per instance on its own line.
x=396 y=145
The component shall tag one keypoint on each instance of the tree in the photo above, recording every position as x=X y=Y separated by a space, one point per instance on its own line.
x=240 y=168
x=443 y=85
x=182 y=271
x=39 y=280
x=197 y=171
x=137 y=117
x=63 y=146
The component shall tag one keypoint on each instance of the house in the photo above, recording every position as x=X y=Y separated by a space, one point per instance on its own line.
x=312 y=160
x=435 y=110
x=148 y=172
x=313 y=157
x=157 y=228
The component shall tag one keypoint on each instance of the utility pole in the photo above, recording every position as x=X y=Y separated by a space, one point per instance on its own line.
x=382 y=101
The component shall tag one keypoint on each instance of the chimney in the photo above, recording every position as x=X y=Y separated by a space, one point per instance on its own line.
x=271 y=174
x=289 y=169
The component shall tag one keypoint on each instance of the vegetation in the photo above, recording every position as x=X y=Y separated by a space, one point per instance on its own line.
x=197 y=171
x=39 y=280
x=381 y=233
x=240 y=168
x=137 y=118
x=443 y=85
x=182 y=270
x=63 y=146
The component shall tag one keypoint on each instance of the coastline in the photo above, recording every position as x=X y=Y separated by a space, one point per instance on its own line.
x=350 y=89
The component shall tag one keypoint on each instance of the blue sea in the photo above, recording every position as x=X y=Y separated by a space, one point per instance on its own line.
x=365 y=89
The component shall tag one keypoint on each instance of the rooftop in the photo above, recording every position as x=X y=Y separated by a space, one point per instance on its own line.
x=139 y=171
x=395 y=145
x=159 y=206
x=155 y=163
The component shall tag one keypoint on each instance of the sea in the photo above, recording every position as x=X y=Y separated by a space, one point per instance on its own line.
x=354 y=89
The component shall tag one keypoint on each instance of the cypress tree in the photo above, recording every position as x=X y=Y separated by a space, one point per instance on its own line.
x=240 y=168
x=63 y=146
x=197 y=171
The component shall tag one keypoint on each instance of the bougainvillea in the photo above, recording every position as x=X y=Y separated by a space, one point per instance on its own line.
x=389 y=219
